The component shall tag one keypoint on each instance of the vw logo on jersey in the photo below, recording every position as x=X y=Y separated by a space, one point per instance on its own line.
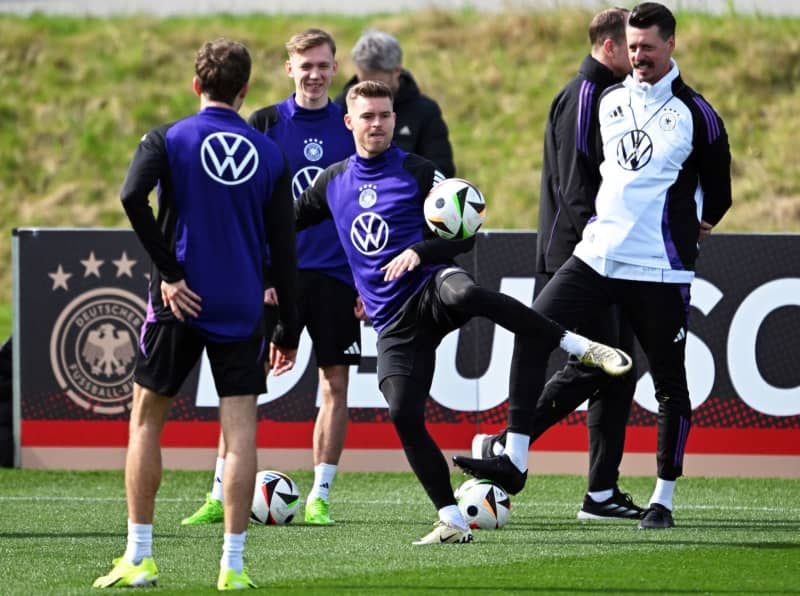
x=367 y=195
x=228 y=158
x=303 y=179
x=634 y=150
x=369 y=233
x=313 y=149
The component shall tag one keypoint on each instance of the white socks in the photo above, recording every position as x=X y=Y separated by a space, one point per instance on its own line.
x=323 y=480
x=574 y=344
x=451 y=515
x=216 y=488
x=663 y=493
x=140 y=542
x=233 y=552
x=517 y=450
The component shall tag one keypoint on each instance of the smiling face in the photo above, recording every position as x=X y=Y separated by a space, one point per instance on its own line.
x=649 y=53
x=372 y=121
x=312 y=71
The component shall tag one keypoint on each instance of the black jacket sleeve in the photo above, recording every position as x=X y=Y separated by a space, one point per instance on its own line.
x=311 y=207
x=149 y=166
x=578 y=171
x=713 y=163
x=438 y=250
x=279 y=218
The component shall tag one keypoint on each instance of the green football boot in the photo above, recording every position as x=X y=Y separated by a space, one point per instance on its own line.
x=230 y=580
x=128 y=575
x=210 y=512
x=318 y=512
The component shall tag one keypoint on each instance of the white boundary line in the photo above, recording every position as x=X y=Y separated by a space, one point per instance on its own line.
x=549 y=505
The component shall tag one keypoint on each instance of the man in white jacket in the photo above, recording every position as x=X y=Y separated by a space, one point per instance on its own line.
x=665 y=163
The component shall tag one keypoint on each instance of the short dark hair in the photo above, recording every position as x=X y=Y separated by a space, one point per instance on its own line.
x=310 y=38
x=647 y=14
x=369 y=89
x=608 y=24
x=223 y=68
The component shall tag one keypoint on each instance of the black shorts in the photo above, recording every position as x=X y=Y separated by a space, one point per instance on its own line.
x=326 y=308
x=169 y=351
x=408 y=345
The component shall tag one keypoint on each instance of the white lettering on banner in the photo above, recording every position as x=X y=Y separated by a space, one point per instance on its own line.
x=490 y=390
x=449 y=388
x=746 y=379
x=469 y=395
x=699 y=359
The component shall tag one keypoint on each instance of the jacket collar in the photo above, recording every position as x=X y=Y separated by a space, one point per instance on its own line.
x=595 y=71
x=661 y=90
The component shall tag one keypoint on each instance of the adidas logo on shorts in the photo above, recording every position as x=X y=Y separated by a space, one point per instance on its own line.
x=353 y=349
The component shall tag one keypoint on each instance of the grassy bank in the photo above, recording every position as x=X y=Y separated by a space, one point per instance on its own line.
x=76 y=94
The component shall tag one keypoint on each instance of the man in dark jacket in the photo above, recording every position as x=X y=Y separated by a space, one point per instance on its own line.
x=570 y=179
x=420 y=128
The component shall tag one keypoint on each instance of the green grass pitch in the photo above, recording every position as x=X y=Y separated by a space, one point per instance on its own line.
x=59 y=530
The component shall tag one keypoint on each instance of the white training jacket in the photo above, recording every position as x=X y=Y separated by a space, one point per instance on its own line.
x=665 y=165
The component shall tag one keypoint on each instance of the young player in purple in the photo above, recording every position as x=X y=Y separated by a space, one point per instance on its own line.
x=223 y=195
x=412 y=290
x=310 y=130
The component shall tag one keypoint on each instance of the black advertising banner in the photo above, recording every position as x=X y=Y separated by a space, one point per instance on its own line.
x=80 y=302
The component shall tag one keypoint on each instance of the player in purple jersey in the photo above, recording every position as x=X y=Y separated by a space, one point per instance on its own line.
x=412 y=290
x=223 y=195
x=310 y=130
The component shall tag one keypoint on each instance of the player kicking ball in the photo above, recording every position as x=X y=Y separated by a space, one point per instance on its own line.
x=412 y=290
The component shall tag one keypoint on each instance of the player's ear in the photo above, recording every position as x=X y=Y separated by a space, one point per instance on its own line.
x=348 y=121
x=288 y=66
x=608 y=46
x=198 y=90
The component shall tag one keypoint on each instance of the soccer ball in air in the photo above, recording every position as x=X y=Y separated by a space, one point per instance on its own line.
x=483 y=504
x=275 y=500
x=454 y=209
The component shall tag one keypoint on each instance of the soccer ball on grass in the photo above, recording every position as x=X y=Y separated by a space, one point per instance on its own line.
x=483 y=504
x=454 y=209
x=275 y=499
